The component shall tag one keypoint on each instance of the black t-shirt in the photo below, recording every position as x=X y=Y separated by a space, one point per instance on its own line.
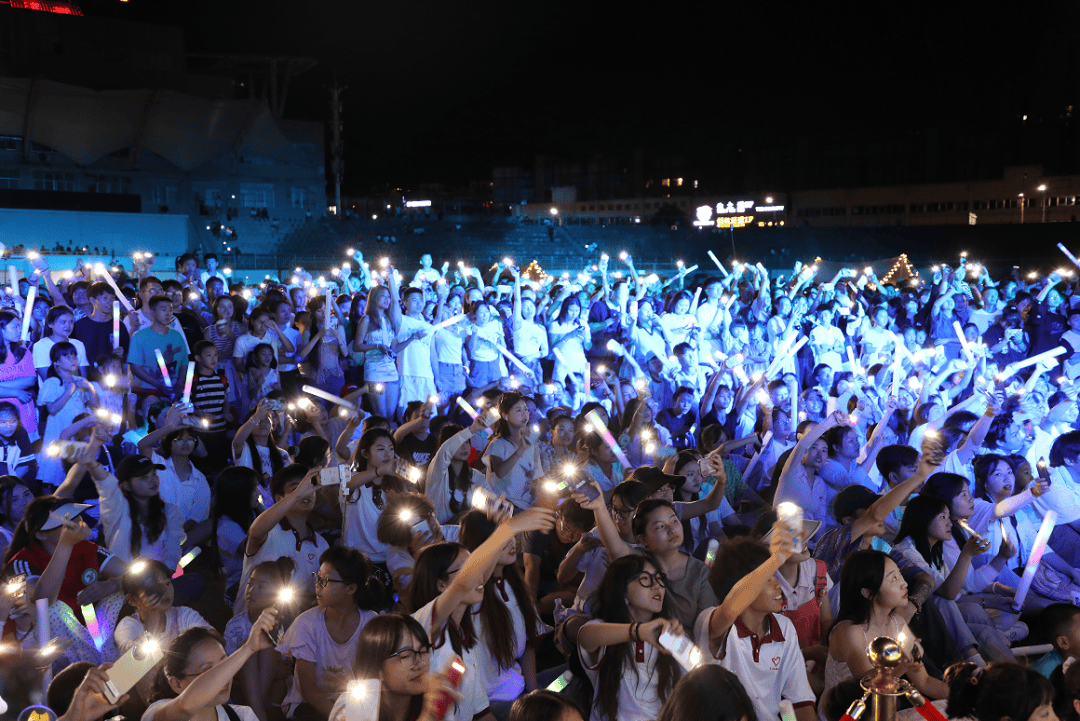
x=96 y=335
x=418 y=451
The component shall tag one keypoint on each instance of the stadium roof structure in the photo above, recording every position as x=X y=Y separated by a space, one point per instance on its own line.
x=87 y=125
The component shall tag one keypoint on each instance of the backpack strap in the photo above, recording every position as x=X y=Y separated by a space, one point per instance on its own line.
x=231 y=712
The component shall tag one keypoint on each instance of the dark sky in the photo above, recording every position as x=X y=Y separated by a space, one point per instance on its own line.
x=441 y=91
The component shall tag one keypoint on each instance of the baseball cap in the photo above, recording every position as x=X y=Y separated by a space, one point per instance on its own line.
x=134 y=467
x=655 y=479
x=66 y=511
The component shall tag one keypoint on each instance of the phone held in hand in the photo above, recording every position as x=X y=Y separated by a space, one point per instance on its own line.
x=131 y=667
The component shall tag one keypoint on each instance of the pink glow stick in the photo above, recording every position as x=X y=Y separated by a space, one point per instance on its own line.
x=598 y=425
x=187 y=383
x=116 y=324
x=90 y=615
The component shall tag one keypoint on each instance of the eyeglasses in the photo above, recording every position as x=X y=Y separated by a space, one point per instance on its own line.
x=321 y=581
x=409 y=657
x=647 y=579
x=621 y=513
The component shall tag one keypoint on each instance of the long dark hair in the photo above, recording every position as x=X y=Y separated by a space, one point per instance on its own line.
x=355 y=568
x=497 y=624
x=947 y=486
x=611 y=607
x=918 y=515
x=232 y=499
x=861 y=570
x=37 y=513
x=431 y=566
x=60 y=349
x=455 y=481
x=155 y=522
x=16 y=347
x=381 y=638
x=51 y=317
x=8 y=484
x=501 y=427
x=313 y=357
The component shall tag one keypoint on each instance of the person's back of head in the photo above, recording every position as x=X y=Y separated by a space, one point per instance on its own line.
x=62 y=687
x=891 y=459
x=544 y=705
x=735 y=559
x=709 y=693
x=1001 y=690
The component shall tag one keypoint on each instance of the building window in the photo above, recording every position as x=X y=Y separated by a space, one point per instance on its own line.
x=49 y=180
x=257 y=195
x=164 y=194
x=212 y=198
x=9 y=142
x=9 y=179
x=108 y=184
x=299 y=198
x=666 y=182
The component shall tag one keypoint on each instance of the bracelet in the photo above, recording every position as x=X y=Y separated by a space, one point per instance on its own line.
x=631 y=632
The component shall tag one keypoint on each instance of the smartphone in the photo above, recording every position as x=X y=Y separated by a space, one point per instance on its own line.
x=131 y=667
x=362 y=701
x=582 y=485
x=334 y=476
x=486 y=501
x=65 y=450
x=453 y=674
x=682 y=649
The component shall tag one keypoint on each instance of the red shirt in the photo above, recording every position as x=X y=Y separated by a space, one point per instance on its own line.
x=84 y=567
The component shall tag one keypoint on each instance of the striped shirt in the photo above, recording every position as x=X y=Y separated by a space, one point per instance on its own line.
x=210 y=397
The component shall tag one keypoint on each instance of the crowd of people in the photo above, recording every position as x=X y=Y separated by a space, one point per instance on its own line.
x=602 y=496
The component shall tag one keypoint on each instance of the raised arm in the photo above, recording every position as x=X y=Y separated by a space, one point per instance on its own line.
x=748 y=588
x=260 y=527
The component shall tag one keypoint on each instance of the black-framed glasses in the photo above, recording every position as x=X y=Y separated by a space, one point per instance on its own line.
x=647 y=580
x=621 y=513
x=321 y=581
x=410 y=656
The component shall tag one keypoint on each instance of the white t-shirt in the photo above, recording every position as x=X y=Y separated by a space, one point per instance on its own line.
x=415 y=358
x=509 y=683
x=308 y=640
x=43 y=346
x=294 y=337
x=474 y=700
x=638 y=698
x=530 y=340
x=361 y=519
x=282 y=541
x=231 y=539
x=484 y=341
x=448 y=343
x=246 y=343
x=237 y=631
x=518 y=484
x=177 y=620
x=771 y=668
x=244 y=712
x=192 y=495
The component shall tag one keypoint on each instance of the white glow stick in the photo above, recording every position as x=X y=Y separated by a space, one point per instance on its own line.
x=187 y=383
x=696 y=299
x=896 y=376
x=900 y=347
x=447 y=323
x=28 y=311
x=337 y=400
x=164 y=368
x=13 y=280
x=719 y=266
x=43 y=636
x=691 y=269
x=765 y=440
x=1070 y=256
x=963 y=340
x=1037 y=550
x=1011 y=369
x=855 y=368
x=467 y=407
x=513 y=359
x=119 y=296
x=116 y=324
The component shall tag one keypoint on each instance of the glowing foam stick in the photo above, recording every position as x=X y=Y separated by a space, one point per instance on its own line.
x=187 y=383
x=28 y=311
x=164 y=370
x=1037 y=550
x=1011 y=369
x=710 y=553
x=448 y=322
x=116 y=324
x=92 y=625
x=120 y=296
x=473 y=413
x=513 y=359
x=1070 y=256
x=782 y=354
x=691 y=269
x=561 y=682
x=336 y=400
x=719 y=266
x=696 y=299
x=855 y=368
x=13 y=279
x=600 y=427
x=963 y=340
x=185 y=560
x=765 y=440
x=43 y=635
x=896 y=376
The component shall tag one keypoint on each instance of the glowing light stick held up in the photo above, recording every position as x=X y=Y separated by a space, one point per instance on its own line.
x=187 y=383
x=1011 y=369
x=447 y=323
x=116 y=324
x=473 y=413
x=1037 y=550
x=719 y=265
x=963 y=340
x=28 y=311
x=164 y=370
x=90 y=616
x=1070 y=256
x=119 y=296
x=336 y=400
x=43 y=636
x=513 y=359
x=185 y=560
x=600 y=427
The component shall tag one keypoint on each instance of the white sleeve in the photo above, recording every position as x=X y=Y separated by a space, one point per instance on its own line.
x=437 y=488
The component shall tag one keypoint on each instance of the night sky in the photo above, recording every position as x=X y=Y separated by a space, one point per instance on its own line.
x=442 y=91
